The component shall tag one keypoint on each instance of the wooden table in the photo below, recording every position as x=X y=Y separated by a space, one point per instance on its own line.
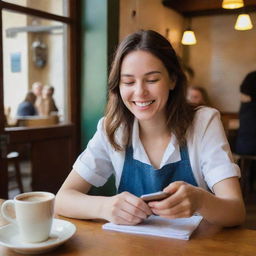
x=207 y=240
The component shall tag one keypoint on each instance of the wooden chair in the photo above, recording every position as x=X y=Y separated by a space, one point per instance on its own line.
x=245 y=163
x=230 y=121
x=14 y=158
x=37 y=121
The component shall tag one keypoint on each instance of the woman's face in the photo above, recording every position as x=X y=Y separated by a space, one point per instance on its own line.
x=145 y=85
x=195 y=97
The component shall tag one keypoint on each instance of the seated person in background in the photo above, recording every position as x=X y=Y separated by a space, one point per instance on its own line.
x=7 y=115
x=151 y=139
x=48 y=104
x=246 y=138
x=197 y=96
x=27 y=107
x=37 y=88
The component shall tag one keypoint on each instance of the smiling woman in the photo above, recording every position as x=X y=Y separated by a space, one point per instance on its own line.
x=151 y=139
x=148 y=63
x=145 y=86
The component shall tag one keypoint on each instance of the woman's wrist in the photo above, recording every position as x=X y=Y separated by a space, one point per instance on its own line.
x=201 y=199
x=103 y=211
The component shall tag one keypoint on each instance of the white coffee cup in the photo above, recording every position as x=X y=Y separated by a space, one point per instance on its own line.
x=34 y=215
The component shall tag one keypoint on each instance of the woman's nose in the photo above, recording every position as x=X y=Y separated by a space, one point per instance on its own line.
x=140 y=89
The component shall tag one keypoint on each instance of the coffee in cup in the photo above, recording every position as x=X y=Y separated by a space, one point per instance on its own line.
x=34 y=215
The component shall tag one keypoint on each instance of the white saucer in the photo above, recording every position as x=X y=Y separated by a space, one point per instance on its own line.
x=61 y=231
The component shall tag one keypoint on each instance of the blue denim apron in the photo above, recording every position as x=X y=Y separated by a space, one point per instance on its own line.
x=139 y=178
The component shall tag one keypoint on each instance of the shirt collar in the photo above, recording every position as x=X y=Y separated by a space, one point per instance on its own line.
x=171 y=154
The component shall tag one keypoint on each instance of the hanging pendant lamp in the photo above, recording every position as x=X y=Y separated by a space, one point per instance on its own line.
x=232 y=4
x=188 y=37
x=243 y=22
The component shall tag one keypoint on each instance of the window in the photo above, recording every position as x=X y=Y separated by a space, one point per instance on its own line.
x=58 y=7
x=36 y=45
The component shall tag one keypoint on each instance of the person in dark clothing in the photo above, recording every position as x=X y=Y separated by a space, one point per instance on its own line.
x=26 y=107
x=246 y=139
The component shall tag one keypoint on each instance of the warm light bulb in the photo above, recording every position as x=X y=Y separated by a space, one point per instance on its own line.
x=232 y=4
x=243 y=22
x=188 y=38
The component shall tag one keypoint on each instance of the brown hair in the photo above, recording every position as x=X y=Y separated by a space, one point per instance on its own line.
x=204 y=94
x=30 y=97
x=178 y=112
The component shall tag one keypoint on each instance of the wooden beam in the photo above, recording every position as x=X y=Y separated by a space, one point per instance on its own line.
x=205 y=7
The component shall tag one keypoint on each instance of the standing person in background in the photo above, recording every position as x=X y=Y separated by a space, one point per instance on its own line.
x=151 y=139
x=37 y=89
x=246 y=139
x=48 y=103
x=27 y=107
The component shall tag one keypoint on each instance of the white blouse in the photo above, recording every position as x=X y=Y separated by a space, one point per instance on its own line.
x=208 y=148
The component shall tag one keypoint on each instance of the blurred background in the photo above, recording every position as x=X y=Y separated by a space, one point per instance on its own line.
x=68 y=46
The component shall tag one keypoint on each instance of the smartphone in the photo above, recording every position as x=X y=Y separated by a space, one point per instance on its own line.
x=158 y=196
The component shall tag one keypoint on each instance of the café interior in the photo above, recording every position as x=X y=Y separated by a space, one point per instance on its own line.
x=69 y=45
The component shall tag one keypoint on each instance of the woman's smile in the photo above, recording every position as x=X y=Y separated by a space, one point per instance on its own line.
x=145 y=85
x=143 y=103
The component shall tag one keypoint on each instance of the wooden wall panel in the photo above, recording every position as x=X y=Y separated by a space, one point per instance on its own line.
x=205 y=7
x=51 y=163
x=221 y=58
x=151 y=14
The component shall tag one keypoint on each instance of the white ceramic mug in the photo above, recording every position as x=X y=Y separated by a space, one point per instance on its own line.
x=34 y=215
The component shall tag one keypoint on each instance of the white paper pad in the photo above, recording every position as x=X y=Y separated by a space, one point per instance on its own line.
x=157 y=226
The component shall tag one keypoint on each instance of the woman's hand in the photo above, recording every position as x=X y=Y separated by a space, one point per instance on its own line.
x=125 y=209
x=183 y=202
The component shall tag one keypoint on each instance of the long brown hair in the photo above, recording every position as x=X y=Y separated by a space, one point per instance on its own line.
x=178 y=112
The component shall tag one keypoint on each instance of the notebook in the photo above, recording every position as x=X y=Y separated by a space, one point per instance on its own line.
x=181 y=228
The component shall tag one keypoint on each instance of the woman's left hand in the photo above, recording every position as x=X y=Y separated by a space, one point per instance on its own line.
x=183 y=202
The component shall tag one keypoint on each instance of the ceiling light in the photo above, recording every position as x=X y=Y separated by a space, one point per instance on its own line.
x=188 y=37
x=232 y=4
x=243 y=22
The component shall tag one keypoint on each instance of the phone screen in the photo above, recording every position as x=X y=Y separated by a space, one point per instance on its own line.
x=154 y=196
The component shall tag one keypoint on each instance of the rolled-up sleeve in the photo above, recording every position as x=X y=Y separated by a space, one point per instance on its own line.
x=216 y=161
x=94 y=164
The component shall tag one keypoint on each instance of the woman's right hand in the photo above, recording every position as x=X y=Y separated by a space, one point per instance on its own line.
x=125 y=209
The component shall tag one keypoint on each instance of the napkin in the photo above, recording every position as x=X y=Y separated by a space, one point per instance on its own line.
x=180 y=228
